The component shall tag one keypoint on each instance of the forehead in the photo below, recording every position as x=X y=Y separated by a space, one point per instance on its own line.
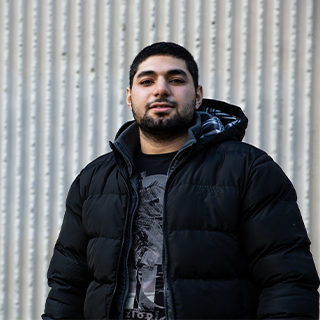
x=162 y=64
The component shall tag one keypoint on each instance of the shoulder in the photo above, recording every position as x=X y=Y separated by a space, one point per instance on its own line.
x=104 y=161
x=251 y=164
x=242 y=152
x=239 y=146
x=98 y=168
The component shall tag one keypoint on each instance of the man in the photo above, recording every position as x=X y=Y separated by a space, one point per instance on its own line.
x=181 y=220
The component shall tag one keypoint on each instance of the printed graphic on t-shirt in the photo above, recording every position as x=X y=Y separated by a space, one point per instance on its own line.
x=146 y=294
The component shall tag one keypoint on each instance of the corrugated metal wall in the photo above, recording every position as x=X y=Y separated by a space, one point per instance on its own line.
x=63 y=73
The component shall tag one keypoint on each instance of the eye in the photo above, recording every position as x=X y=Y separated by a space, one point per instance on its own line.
x=146 y=82
x=177 y=80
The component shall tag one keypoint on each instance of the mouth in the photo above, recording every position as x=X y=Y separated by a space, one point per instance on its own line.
x=161 y=107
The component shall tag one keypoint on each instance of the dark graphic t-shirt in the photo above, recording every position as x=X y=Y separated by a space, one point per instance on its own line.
x=146 y=294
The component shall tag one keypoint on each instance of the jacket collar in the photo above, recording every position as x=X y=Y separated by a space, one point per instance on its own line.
x=216 y=121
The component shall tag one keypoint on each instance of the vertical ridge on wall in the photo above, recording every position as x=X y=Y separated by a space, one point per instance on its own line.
x=301 y=114
x=160 y=24
x=57 y=97
x=227 y=95
x=286 y=63
x=258 y=119
x=290 y=112
x=4 y=56
x=237 y=52
x=77 y=42
x=197 y=34
x=253 y=71
x=205 y=46
x=182 y=24
x=315 y=138
x=115 y=28
x=48 y=114
x=62 y=101
x=16 y=222
x=99 y=88
x=137 y=24
x=213 y=40
x=145 y=31
x=308 y=86
x=167 y=20
x=107 y=78
x=92 y=77
x=57 y=134
x=276 y=83
x=221 y=57
x=268 y=78
x=72 y=93
x=121 y=104
x=47 y=151
x=307 y=124
x=153 y=15
x=175 y=17
x=244 y=38
x=27 y=164
x=132 y=42
x=13 y=157
x=32 y=165
x=84 y=92
x=43 y=108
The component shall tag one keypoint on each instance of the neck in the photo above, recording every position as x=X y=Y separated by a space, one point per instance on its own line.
x=153 y=146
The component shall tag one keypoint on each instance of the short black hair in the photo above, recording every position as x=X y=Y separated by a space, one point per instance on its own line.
x=165 y=49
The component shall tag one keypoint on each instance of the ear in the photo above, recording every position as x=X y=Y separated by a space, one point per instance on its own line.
x=199 y=97
x=128 y=98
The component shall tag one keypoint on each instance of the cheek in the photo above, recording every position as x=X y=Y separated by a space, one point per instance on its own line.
x=185 y=95
x=139 y=99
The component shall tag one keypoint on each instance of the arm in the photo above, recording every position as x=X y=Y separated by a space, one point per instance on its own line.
x=68 y=274
x=277 y=246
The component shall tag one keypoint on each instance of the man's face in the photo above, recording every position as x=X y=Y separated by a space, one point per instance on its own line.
x=163 y=98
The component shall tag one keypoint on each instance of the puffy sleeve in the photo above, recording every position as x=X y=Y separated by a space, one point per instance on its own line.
x=277 y=245
x=68 y=274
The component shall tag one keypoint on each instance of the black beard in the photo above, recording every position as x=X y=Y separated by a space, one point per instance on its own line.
x=166 y=129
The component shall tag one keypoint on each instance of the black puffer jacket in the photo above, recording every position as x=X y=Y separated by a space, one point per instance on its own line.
x=234 y=246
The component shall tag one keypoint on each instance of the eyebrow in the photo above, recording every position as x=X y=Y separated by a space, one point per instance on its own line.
x=169 y=72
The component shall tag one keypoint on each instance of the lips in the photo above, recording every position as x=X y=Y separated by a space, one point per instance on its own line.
x=161 y=105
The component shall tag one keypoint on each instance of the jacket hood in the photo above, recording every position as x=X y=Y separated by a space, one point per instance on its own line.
x=221 y=121
x=221 y=114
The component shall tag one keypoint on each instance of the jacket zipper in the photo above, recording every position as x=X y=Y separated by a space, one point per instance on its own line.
x=127 y=230
x=120 y=255
x=167 y=286
x=131 y=214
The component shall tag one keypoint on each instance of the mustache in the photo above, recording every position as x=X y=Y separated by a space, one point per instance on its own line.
x=171 y=103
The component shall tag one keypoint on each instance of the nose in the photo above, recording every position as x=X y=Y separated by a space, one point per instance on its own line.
x=161 y=88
